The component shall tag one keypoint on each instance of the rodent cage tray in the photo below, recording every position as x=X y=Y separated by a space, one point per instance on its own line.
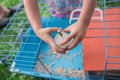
x=35 y=57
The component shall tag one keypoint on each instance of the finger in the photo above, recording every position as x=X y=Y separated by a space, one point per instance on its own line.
x=76 y=42
x=54 y=29
x=60 y=50
x=70 y=37
x=57 y=49
x=66 y=30
x=54 y=46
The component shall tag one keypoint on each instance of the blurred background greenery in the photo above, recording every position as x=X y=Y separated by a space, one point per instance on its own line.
x=5 y=74
x=9 y=3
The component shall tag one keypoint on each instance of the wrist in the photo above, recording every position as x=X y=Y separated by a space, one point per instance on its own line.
x=83 y=23
x=37 y=31
x=37 y=26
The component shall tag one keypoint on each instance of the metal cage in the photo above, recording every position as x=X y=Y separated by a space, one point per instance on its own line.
x=25 y=53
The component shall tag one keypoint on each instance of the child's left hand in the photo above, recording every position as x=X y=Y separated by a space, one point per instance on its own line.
x=77 y=32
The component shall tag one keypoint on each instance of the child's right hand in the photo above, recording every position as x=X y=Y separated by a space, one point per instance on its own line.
x=45 y=35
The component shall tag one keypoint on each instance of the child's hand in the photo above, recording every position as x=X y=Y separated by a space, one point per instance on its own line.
x=45 y=35
x=77 y=32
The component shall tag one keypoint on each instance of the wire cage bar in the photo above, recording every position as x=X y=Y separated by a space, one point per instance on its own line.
x=25 y=53
x=111 y=41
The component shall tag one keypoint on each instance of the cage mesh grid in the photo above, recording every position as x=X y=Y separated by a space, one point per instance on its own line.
x=109 y=72
x=107 y=52
x=18 y=36
x=19 y=26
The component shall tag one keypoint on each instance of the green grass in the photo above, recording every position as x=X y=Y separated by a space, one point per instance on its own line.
x=109 y=4
x=9 y=3
x=5 y=74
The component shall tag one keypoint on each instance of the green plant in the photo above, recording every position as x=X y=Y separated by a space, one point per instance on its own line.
x=9 y=3
x=5 y=74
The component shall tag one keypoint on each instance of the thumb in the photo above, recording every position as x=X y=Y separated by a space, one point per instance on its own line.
x=67 y=39
x=66 y=30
